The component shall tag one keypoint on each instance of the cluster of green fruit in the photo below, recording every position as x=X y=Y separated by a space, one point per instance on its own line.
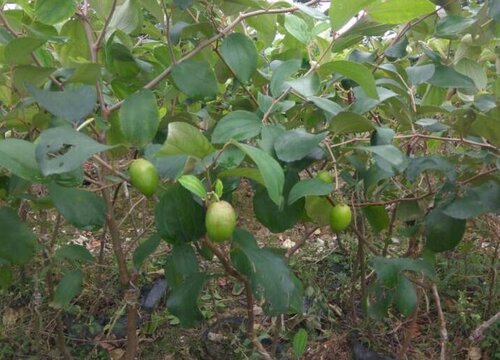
x=220 y=219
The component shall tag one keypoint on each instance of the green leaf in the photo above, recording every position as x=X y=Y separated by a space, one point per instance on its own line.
x=447 y=77
x=297 y=144
x=184 y=4
x=474 y=71
x=282 y=73
x=29 y=74
x=74 y=252
x=300 y=342
x=389 y=269
x=83 y=209
x=18 y=156
x=318 y=209
x=417 y=165
x=398 y=11
x=54 y=11
x=329 y=106
x=487 y=127
x=341 y=11
x=309 y=187
x=419 y=74
x=193 y=184
x=249 y=173
x=451 y=26
x=442 y=232
x=185 y=139
x=61 y=150
x=183 y=301
x=179 y=219
x=494 y=9
x=409 y=211
x=348 y=122
x=18 y=50
x=357 y=72
x=270 y=170
x=389 y=157
x=476 y=201
x=265 y=26
x=278 y=218
x=17 y=242
x=237 y=125
x=195 y=78
x=307 y=86
x=239 y=53
x=180 y=264
x=269 y=276
x=145 y=249
x=139 y=118
x=298 y=28
x=377 y=218
x=127 y=17
x=406 y=296
x=73 y=103
x=69 y=286
x=364 y=103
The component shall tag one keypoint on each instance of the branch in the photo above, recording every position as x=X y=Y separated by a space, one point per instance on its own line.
x=442 y=322
x=478 y=333
x=205 y=43
x=97 y=45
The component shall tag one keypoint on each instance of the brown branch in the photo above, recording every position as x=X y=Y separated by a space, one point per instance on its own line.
x=98 y=43
x=478 y=333
x=300 y=242
x=205 y=43
x=442 y=322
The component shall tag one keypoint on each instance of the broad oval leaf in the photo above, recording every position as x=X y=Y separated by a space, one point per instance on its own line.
x=281 y=74
x=476 y=201
x=309 y=187
x=406 y=296
x=298 y=28
x=185 y=139
x=73 y=103
x=269 y=276
x=270 y=170
x=179 y=218
x=278 y=218
x=69 y=286
x=183 y=301
x=145 y=249
x=237 y=125
x=18 y=156
x=447 y=77
x=399 y=11
x=341 y=11
x=83 y=209
x=54 y=11
x=377 y=217
x=17 y=242
x=195 y=78
x=297 y=144
x=61 y=150
x=139 y=118
x=238 y=52
x=74 y=252
x=193 y=184
x=348 y=122
x=442 y=232
x=357 y=72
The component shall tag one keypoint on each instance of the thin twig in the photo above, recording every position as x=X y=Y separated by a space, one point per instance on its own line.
x=478 y=333
x=442 y=323
x=98 y=43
